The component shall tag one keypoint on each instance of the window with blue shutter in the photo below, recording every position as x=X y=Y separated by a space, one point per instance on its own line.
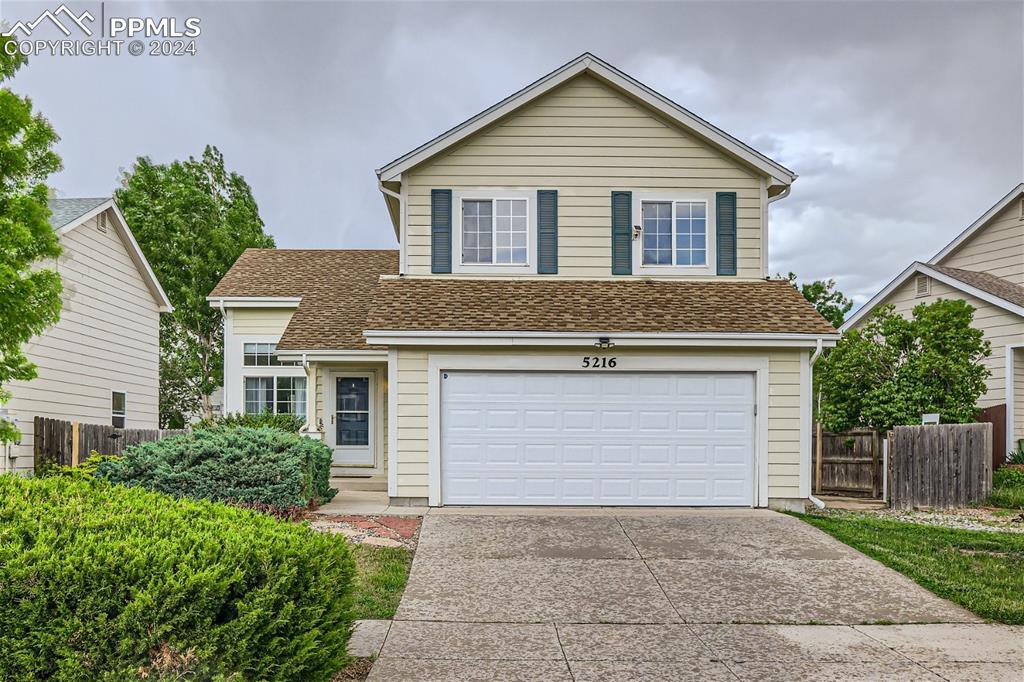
x=725 y=213
x=547 y=231
x=622 y=233
x=440 y=231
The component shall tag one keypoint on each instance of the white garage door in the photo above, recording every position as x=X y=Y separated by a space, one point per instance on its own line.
x=575 y=438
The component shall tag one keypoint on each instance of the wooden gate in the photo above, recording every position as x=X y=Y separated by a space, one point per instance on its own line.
x=940 y=465
x=996 y=416
x=848 y=463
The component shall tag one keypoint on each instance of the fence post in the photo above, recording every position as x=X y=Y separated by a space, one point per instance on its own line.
x=75 y=452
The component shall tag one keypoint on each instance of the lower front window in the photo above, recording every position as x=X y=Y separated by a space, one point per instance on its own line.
x=275 y=395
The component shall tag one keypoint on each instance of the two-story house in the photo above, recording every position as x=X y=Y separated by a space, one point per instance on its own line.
x=983 y=265
x=579 y=313
x=100 y=363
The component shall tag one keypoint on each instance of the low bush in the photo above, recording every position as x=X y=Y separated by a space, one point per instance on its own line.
x=263 y=466
x=291 y=423
x=1008 y=487
x=105 y=582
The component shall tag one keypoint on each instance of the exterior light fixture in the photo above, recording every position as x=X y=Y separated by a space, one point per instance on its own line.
x=604 y=342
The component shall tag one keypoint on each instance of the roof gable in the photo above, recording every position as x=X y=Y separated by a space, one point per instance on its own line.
x=1010 y=201
x=69 y=214
x=779 y=176
x=983 y=286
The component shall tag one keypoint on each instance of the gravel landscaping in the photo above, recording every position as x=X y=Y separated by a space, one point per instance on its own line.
x=967 y=518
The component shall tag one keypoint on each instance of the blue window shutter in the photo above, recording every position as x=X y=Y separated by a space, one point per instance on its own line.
x=547 y=231
x=440 y=230
x=622 y=233
x=725 y=220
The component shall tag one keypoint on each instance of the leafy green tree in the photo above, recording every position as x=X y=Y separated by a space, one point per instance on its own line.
x=29 y=297
x=825 y=297
x=894 y=369
x=192 y=219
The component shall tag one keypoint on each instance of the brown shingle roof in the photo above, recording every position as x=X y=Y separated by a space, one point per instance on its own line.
x=562 y=305
x=997 y=286
x=337 y=287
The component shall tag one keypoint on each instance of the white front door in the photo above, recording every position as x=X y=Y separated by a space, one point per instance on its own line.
x=569 y=438
x=350 y=417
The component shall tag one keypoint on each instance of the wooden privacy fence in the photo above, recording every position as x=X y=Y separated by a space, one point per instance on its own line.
x=57 y=441
x=848 y=463
x=940 y=465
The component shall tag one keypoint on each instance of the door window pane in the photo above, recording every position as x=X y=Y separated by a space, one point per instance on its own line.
x=353 y=411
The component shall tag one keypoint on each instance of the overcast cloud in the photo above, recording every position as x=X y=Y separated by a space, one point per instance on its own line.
x=905 y=121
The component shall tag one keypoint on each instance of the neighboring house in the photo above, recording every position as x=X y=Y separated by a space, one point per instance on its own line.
x=578 y=314
x=983 y=265
x=100 y=363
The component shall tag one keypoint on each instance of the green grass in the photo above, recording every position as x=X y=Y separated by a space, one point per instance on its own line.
x=1007 y=496
x=982 y=571
x=381 y=574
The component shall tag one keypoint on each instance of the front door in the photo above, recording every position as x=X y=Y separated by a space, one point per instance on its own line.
x=351 y=427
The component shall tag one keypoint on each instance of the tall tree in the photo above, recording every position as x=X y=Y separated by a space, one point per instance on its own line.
x=192 y=219
x=825 y=297
x=894 y=369
x=29 y=296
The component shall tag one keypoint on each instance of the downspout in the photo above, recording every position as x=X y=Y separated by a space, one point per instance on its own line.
x=814 y=358
x=309 y=384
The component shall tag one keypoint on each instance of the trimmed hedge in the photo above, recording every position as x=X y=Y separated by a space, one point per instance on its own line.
x=263 y=466
x=103 y=582
x=291 y=423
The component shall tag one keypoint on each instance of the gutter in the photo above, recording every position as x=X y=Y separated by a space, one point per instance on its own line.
x=814 y=358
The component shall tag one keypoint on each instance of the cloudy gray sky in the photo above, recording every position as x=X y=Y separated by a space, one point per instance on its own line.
x=904 y=120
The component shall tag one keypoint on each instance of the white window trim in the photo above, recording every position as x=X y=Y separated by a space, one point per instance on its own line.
x=275 y=377
x=496 y=194
x=235 y=371
x=125 y=415
x=710 y=242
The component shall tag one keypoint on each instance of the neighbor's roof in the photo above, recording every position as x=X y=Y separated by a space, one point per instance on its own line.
x=588 y=63
x=982 y=285
x=336 y=288
x=638 y=306
x=65 y=211
x=997 y=286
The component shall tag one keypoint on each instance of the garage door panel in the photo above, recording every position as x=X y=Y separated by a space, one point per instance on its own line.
x=571 y=438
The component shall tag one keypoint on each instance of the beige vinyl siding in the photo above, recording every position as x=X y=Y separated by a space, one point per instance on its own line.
x=998 y=248
x=585 y=140
x=999 y=326
x=783 y=415
x=107 y=339
x=260 y=321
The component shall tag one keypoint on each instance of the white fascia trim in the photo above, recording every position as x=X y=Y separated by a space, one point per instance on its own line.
x=779 y=175
x=254 y=301
x=1010 y=389
x=978 y=224
x=385 y=337
x=134 y=250
x=332 y=355
x=923 y=269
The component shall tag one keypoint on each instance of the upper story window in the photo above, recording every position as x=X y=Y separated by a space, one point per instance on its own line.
x=263 y=355
x=677 y=233
x=494 y=231
x=674 y=232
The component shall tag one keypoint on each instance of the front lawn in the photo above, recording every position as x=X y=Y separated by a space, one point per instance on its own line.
x=983 y=571
x=381 y=574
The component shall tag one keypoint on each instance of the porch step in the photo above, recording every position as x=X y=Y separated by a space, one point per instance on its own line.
x=370 y=484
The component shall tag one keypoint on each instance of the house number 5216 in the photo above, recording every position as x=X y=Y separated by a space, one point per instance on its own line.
x=594 y=362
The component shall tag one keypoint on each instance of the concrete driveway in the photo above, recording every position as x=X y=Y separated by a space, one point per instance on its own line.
x=614 y=594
